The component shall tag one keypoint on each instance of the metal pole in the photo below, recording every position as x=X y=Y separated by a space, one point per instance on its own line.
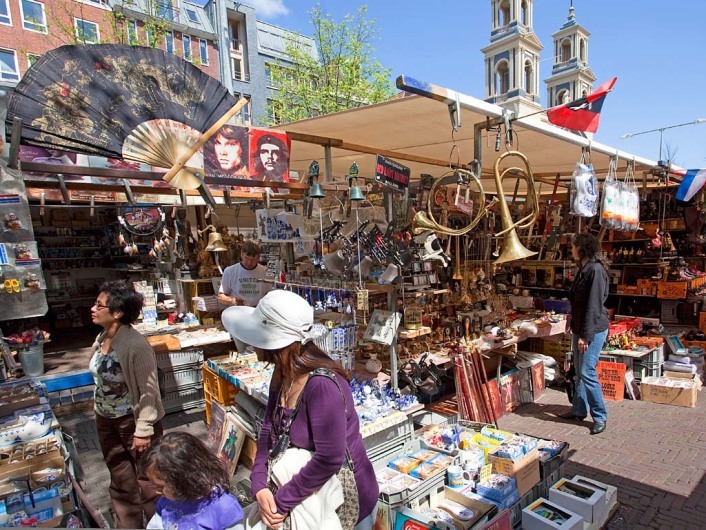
x=392 y=306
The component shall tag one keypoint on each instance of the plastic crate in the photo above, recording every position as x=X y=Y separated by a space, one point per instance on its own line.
x=181 y=378
x=389 y=442
x=183 y=399
x=549 y=467
x=178 y=359
x=647 y=369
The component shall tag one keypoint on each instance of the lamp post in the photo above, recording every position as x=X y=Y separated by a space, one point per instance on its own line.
x=661 y=132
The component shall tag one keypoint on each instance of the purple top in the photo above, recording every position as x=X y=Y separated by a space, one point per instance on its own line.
x=219 y=510
x=320 y=426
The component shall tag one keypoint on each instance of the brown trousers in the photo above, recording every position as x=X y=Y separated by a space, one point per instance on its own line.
x=133 y=496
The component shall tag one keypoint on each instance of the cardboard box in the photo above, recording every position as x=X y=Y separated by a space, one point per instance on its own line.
x=589 y=503
x=545 y=515
x=611 y=492
x=482 y=512
x=247 y=453
x=658 y=389
x=601 y=510
x=502 y=521
x=524 y=470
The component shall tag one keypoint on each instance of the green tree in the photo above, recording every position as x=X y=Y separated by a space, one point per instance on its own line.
x=345 y=74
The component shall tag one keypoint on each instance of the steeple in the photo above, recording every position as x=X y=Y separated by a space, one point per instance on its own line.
x=512 y=57
x=571 y=77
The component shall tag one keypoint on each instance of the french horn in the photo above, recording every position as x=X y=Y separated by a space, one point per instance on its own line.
x=512 y=249
x=424 y=221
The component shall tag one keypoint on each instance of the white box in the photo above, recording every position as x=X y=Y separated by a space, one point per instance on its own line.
x=545 y=515
x=589 y=503
x=601 y=511
x=611 y=492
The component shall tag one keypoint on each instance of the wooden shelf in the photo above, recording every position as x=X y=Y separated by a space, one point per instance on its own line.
x=416 y=294
x=405 y=334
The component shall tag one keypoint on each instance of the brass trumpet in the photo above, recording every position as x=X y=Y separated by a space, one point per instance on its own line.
x=424 y=221
x=512 y=249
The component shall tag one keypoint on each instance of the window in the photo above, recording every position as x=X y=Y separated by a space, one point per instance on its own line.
x=186 y=43
x=524 y=14
x=268 y=75
x=562 y=97
x=132 y=32
x=529 y=71
x=33 y=16
x=9 y=70
x=234 y=29
x=192 y=16
x=149 y=34
x=32 y=58
x=502 y=79
x=565 y=50
x=274 y=112
x=165 y=10
x=236 y=65
x=582 y=50
x=169 y=42
x=5 y=12
x=245 y=113
x=504 y=13
x=87 y=31
x=203 y=50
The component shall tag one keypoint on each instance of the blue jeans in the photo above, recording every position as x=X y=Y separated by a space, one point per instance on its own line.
x=589 y=396
x=368 y=522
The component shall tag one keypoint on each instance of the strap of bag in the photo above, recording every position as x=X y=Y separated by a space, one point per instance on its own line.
x=325 y=372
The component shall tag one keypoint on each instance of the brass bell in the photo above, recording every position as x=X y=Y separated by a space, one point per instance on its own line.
x=356 y=194
x=215 y=243
x=316 y=191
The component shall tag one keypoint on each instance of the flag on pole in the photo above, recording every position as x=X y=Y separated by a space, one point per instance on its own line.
x=693 y=181
x=582 y=114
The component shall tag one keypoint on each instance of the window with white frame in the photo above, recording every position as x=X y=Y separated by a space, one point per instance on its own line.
x=87 y=32
x=5 y=17
x=33 y=16
x=203 y=52
x=9 y=69
x=132 y=32
x=192 y=16
x=150 y=36
x=169 y=41
x=186 y=43
x=32 y=58
x=245 y=113
x=236 y=64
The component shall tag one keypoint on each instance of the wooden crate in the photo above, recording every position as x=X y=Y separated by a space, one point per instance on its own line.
x=672 y=290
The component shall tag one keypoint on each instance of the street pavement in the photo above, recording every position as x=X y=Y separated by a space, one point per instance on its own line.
x=654 y=454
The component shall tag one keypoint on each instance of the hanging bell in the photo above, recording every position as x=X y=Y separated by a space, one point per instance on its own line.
x=215 y=243
x=316 y=191
x=356 y=194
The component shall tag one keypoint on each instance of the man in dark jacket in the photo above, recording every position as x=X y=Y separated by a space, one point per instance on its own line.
x=589 y=326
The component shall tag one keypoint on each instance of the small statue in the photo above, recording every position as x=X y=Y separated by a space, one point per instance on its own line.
x=226 y=258
x=205 y=260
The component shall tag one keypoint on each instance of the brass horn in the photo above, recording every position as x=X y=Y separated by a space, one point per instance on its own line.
x=424 y=221
x=512 y=249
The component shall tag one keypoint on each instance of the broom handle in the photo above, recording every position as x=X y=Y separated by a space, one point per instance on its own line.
x=479 y=388
x=484 y=387
x=470 y=382
x=186 y=156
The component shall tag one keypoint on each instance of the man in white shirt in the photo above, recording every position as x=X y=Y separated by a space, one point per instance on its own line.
x=240 y=285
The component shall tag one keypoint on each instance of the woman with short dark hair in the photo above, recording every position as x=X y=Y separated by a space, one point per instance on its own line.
x=127 y=402
x=589 y=326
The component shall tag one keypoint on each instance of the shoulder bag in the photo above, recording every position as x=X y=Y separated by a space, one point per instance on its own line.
x=348 y=512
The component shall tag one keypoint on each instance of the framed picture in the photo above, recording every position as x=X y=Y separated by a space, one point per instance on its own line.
x=231 y=443
x=433 y=278
x=416 y=267
x=423 y=280
x=428 y=266
x=415 y=280
x=215 y=427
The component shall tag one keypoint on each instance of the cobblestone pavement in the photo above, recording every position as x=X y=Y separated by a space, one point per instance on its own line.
x=654 y=454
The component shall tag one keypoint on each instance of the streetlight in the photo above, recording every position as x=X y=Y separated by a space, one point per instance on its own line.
x=661 y=131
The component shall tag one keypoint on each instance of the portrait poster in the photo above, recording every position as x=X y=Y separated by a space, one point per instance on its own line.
x=231 y=443
x=215 y=427
x=227 y=154
x=269 y=155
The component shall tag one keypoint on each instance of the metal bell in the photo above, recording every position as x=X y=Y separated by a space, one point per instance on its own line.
x=316 y=191
x=215 y=243
x=356 y=194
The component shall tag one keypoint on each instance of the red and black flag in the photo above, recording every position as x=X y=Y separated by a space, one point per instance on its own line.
x=582 y=114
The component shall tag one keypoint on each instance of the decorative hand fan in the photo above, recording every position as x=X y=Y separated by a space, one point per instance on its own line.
x=123 y=102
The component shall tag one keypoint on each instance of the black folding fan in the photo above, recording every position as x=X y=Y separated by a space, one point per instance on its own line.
x=118 y=101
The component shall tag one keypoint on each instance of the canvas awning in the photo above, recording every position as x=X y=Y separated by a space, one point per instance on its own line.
x=416 y=131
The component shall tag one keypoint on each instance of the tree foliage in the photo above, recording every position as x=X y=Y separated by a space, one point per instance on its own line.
x=344 y=75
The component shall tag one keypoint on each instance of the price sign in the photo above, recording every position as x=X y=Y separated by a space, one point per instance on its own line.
x=485 y=473
x=362 y=299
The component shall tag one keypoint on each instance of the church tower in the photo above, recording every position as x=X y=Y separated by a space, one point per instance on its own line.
x=512 y=58
x=571 y=77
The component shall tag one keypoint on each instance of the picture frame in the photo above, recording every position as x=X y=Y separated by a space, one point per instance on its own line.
x=231 y=443
x=415 y=280
x=428 y=266
x=215 y=427
x=416 y=267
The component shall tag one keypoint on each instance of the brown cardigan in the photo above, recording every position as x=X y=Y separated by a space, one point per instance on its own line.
x=139 y=365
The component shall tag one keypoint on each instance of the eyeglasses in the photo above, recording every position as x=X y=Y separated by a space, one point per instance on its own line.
x=99 y=306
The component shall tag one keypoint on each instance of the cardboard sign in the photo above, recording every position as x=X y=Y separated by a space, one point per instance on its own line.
x=611 y=376
x=392 y=173
x=382 y=327
x=485 y=473
x=502 y=521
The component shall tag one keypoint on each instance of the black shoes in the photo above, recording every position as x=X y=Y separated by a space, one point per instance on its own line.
x=598 y=427
x=570 y=416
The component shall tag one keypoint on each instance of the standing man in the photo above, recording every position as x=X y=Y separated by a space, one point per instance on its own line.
x=271 y=159
x=240 y=284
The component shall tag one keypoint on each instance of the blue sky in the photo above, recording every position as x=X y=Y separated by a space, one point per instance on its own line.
x=655 y=48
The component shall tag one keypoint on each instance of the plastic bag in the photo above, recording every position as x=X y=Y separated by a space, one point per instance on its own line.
x=584 y=191
x=611 y=199
x=631 y=202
